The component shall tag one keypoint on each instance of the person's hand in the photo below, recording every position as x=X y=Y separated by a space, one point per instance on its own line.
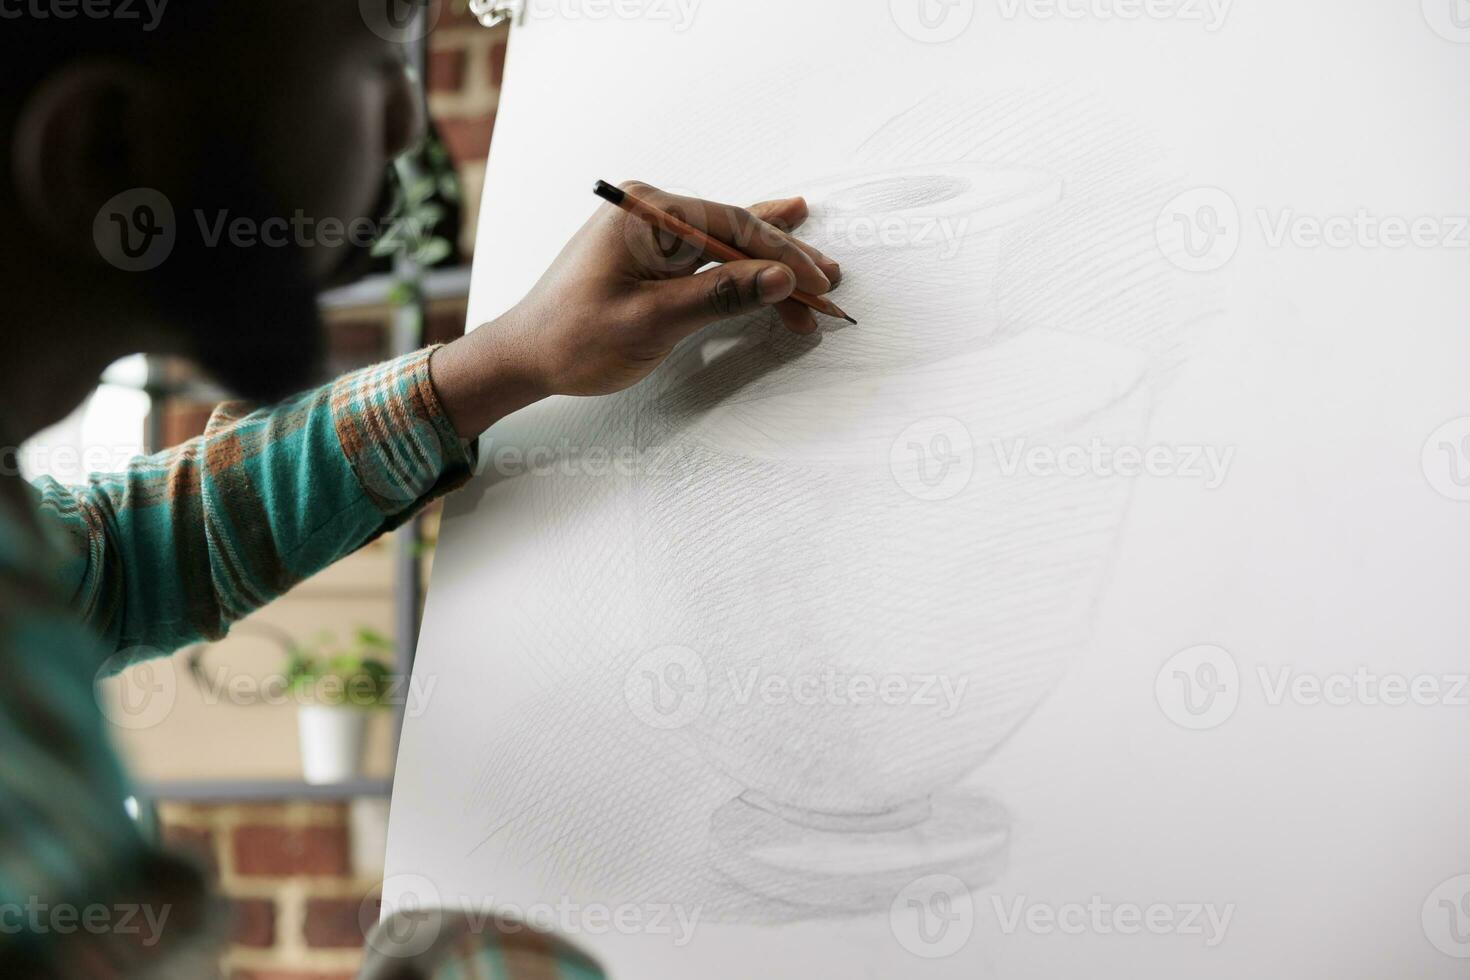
x=619 y=298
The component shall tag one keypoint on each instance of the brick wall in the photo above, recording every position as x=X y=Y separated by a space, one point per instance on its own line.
x=302 y=878
x=466 y=64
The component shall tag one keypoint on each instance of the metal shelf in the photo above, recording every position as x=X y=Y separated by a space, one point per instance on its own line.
x=244 y=790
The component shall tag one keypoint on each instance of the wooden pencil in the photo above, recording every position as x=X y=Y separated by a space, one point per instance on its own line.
x=711 y=247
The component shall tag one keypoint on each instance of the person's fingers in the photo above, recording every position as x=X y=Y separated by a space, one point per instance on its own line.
x=683 y=306
x=789 y=215
x=798 y=319
x=742 y=230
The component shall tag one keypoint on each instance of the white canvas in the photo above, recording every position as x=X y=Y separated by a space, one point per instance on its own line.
x=1094 y=607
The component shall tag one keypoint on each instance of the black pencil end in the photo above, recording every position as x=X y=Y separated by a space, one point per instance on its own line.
x=608 y=192
x=850 y=320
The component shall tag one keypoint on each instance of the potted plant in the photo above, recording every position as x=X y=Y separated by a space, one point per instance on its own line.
x=337 y=690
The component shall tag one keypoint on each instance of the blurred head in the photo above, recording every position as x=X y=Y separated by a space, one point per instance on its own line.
x=187 y=178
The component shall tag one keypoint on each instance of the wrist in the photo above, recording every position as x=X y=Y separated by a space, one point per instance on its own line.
x=481 y=378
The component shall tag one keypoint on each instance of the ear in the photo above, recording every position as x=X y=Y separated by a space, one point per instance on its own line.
x=91 y=131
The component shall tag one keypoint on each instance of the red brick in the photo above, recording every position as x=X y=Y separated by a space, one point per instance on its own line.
x=446 y=70
x=445 y=324
x=497 y=63
x=467 y=138
x=195 y=843
x=336 y=922
x=280 y=851
x=255 y=923
x=357 y=342
x=453 y=15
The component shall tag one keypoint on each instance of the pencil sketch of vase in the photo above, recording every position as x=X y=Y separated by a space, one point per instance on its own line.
x=848 y=491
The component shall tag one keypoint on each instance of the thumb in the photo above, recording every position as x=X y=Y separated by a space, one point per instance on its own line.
x=692 y=302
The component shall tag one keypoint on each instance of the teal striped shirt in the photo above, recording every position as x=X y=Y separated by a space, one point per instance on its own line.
x=137 y=564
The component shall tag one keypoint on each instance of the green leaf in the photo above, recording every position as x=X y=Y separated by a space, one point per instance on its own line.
x=433 y=252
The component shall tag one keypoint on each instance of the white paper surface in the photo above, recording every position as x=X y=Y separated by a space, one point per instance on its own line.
x=872 y=657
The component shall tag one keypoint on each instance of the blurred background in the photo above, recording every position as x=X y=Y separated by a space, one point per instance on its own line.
x=269 y=756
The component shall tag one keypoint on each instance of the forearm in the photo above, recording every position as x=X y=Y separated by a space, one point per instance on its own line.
x=184 y=543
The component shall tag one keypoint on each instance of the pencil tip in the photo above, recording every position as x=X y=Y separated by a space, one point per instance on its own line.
x=850 y=320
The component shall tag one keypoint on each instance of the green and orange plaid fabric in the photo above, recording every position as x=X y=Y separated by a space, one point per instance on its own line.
x=137 y=564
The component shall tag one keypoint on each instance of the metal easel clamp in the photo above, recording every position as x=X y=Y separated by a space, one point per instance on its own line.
x=492 y=13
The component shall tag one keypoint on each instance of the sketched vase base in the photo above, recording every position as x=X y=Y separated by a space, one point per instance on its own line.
x=850 y=864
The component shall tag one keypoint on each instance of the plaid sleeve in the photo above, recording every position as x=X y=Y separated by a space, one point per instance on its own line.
x=183 y=543
x=444 y=945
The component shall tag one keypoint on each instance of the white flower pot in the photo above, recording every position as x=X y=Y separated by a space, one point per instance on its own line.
x=332 y=740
